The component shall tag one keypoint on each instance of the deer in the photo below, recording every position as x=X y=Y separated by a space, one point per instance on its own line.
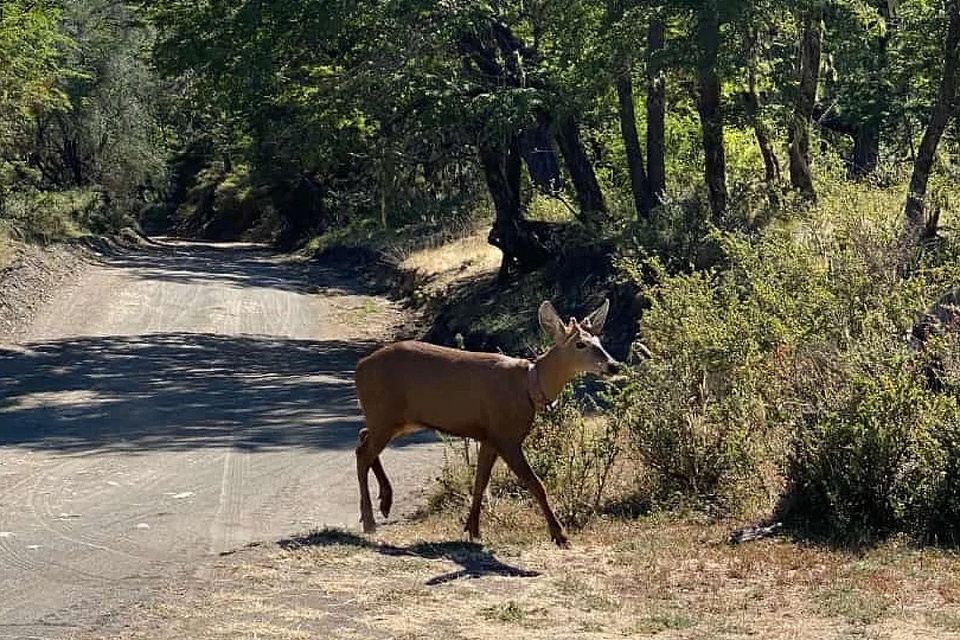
x=492 y=398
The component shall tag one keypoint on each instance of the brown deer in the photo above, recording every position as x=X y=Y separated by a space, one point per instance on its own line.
x=492 y=398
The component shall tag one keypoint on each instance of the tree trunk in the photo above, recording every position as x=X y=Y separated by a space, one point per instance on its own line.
x=592 y=208
x=536 y=147
x=866 y=139
x=771 y=166
x=72 y=161
x=386 y=182
x=942 y=111
x=501 y=168
x=753 y=110
x=799 y=146
x=656 y=111
x=865 y=133
x=711 y=119
x=631 y=143
x=866 y=149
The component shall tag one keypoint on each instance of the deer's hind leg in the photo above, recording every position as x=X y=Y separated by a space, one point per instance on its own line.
x=386 y=490
x=372 y=442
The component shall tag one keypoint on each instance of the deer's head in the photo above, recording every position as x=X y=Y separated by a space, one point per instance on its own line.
x=577 y=343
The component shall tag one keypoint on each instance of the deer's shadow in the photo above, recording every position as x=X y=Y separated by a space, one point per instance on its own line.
x=474 y=560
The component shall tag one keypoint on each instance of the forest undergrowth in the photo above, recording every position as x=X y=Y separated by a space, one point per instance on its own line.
x=795 y=379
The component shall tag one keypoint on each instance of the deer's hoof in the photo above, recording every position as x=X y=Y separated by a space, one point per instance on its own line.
x=561 y=541
x=386 y=501
x=369 y=526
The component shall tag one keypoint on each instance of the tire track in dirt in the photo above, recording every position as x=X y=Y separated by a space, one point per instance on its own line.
x=224 y=530
x=69 y=526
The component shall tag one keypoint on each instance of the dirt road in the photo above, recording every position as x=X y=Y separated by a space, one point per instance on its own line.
x=171 y=405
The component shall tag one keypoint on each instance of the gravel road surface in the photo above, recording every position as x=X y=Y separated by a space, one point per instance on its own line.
x=172 y=404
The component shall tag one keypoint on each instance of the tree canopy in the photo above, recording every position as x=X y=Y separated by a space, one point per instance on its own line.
x=301 y=116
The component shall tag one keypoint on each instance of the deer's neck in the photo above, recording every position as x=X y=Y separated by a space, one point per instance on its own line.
x=553 y=376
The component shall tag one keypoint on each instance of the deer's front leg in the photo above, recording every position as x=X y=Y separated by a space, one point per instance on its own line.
x=485 y=460
x=512 y=454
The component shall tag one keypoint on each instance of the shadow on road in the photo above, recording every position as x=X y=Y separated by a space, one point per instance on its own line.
x=178 y=391
x=475 y=561
x=238 y=266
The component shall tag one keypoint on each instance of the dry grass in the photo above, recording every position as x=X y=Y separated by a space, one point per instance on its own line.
x=464 y=258
x=471 y=252
x=652 y=577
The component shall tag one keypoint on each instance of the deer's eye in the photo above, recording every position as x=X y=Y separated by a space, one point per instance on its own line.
x=581 y=344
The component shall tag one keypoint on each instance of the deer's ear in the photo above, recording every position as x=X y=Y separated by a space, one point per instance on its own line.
x=550 y=321
x=595 y=321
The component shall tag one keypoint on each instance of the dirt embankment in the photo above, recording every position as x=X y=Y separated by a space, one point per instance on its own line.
x=29 y=276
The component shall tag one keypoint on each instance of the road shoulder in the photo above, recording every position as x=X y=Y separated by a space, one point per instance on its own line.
x=29 y=279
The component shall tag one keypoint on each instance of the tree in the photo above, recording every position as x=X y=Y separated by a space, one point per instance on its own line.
x=518 y=241
x=639 y=185
x=709 y=104
x=623 y=55
x=656 y=108
x=109 y=135
x=811 y=33
x=31 y=70
x=859 y=91
x=944 y=108
x=391 y=111
x=753 y=49
x=592 y=206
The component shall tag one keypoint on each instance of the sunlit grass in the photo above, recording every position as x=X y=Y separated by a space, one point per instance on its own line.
x=461 y=258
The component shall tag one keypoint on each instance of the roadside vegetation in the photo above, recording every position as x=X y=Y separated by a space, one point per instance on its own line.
x=83 y=144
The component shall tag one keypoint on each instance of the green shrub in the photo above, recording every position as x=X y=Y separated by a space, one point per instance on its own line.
x=51 y=216
x=870 y=460
x=700 y=409
x=784 y=364
x=941 y=522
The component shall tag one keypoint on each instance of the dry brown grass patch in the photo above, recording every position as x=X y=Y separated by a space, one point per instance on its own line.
x=461 y=259
x=652 y=577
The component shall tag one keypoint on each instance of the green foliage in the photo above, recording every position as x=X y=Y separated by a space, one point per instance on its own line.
x=355 y=100
x=871 y=459
x=703 y=415
x=31 y=51
x=115 y=121
x=221 y=203
x=57 y=216
x=78 y=115
x=381 y=105
x=786 y=360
